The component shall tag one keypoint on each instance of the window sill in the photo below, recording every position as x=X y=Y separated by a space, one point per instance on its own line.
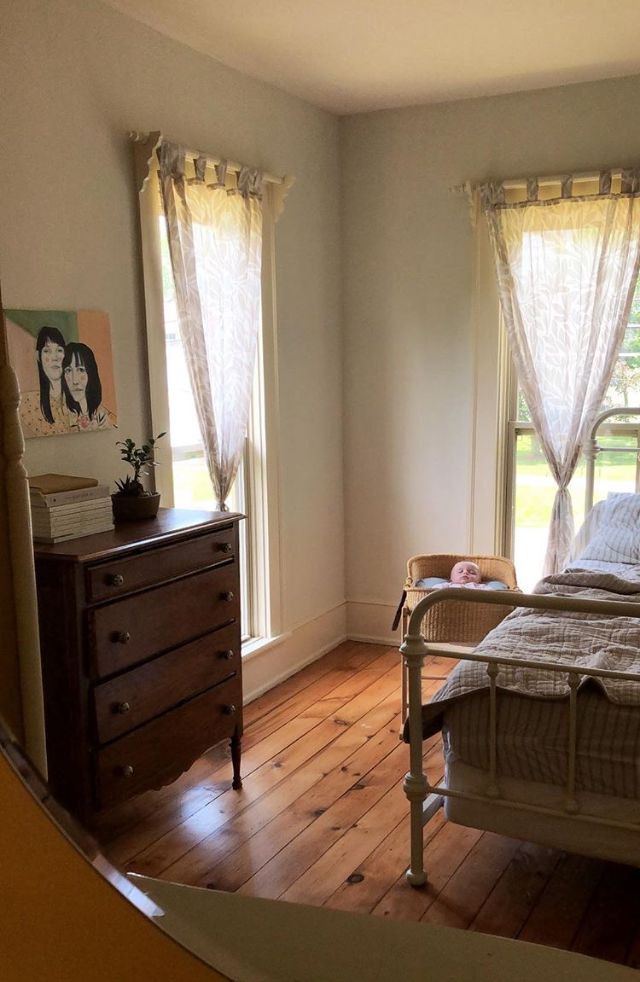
x=257 y=646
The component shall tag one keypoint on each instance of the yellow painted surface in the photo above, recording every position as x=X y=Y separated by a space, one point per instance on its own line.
x=61 y=921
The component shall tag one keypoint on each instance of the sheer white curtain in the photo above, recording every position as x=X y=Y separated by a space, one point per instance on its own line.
x=567 y=267
x=214 y=225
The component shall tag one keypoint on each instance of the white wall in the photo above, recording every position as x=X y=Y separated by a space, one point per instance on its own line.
x=407 y=253
x=75 y=77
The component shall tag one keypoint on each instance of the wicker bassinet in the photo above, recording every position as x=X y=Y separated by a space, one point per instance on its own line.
x=454 y=621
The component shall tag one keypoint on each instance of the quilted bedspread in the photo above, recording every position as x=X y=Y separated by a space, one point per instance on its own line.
x=589 y=640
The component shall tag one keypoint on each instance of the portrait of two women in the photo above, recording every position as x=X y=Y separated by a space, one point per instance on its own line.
x=64 y=368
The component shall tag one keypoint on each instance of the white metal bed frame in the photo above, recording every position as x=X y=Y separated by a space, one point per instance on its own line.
x=424 y=798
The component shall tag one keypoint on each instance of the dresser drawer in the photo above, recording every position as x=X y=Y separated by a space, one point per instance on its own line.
x=123 y=576
x=130 y=630
x=162 y=749
x=138 y=695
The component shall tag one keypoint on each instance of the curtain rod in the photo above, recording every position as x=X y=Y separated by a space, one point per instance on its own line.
x=138 y=137
x=521 y=182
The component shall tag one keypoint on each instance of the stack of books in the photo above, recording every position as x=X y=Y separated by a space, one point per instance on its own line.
x=65 y=507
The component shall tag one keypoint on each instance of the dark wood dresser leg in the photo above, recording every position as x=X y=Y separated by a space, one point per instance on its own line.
x=236 y=750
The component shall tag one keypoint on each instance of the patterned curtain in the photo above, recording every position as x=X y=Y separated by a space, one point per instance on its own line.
x=214 y=226
x=567 y=266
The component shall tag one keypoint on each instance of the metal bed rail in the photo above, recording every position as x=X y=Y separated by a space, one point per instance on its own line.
x=425 y=798
x=592 y=448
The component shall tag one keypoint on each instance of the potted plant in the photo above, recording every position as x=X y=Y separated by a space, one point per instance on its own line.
x=131 y=501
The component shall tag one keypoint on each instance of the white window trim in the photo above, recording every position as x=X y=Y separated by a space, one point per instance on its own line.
x=488 y=445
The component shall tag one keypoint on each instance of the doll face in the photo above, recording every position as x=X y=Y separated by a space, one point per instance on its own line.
x=465 y=572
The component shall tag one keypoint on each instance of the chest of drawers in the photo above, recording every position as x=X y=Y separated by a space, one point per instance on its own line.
x=140 y=646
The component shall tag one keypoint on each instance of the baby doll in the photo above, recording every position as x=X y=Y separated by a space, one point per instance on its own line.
x=464 y=574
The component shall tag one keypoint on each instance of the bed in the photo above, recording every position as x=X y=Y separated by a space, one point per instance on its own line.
x=541 y=722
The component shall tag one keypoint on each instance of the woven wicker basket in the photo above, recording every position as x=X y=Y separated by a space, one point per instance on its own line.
x=454 y=621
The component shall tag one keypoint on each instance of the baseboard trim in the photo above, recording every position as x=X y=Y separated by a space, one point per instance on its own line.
x=390 y=640
x=298 y=648
x=370 y=621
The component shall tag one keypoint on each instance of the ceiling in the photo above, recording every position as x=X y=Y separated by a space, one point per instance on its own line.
x=350 y=56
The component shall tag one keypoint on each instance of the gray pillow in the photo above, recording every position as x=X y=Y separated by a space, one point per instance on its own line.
x=616 y=538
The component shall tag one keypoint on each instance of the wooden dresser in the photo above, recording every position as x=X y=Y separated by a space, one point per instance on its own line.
x=140 y=642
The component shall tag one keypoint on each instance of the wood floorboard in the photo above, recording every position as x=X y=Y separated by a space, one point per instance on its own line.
x=274 y=772
x=465 y=892
x=281 y=732
x=611 y=920
x=516 y=893
x=322 y=819
x=445 y=854
x=370 y=880
x=557 y=915
x=282 y=702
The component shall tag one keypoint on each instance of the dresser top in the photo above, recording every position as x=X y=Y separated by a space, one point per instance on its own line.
x=171 y=525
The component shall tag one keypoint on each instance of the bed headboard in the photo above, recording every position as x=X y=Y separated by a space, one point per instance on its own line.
x=592 y=448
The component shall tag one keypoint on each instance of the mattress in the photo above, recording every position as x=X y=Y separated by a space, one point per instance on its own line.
x=532 y=740
x=589 y=838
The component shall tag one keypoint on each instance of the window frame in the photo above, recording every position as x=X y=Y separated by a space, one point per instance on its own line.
x=491 y=516
x=261 y=567
x=516 y=427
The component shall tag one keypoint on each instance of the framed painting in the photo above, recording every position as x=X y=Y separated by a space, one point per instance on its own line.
x=64 y=365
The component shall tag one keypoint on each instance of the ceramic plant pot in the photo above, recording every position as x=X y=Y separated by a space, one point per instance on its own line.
x=127 y=508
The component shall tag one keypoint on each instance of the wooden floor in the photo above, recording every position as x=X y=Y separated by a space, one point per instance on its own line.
x=322 y=819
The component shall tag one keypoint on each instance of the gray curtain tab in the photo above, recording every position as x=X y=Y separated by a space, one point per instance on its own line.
x=200 y=165
x=566 y=186
x=221 y=175
x=250 y=182
x=605 y=182
x=171 y=159
x=493 y=193
x=630 y=181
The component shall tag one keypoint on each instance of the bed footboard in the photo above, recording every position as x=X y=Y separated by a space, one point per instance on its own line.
x=424 y=798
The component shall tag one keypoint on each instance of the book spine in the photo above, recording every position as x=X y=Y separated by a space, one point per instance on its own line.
x=51 y=528
x=73 y=508
x=105 y=508
x=52 y=539
x=39 y=500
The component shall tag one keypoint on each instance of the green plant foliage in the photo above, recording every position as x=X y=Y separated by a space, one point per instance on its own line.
x=141 y=459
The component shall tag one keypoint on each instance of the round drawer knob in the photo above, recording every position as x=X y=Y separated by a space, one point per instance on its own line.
x=226 y=655
x=115 y=579
x=227 y=595
x=123 y=637
x=229 y=710
x=123 y=707
x=225 y=547
x=126 y=770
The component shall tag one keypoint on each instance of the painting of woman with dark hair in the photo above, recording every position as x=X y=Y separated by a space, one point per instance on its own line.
x=64 y=366
x=83 y=390
x=45 y=412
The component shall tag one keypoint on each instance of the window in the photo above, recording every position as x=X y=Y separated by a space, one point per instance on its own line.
x=182 y=476
x=189 y=472
x=530 y=486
